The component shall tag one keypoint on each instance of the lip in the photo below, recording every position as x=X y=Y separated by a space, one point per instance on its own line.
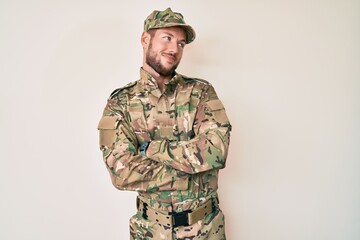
x=170 y=58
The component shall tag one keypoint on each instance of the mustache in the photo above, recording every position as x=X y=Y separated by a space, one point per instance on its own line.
x=172 y=55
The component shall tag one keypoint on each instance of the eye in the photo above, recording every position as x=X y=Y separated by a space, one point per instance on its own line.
x=182 y=45
x=168 y=38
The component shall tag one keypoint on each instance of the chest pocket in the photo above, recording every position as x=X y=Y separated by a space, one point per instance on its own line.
x=186 y=105
x=138 y=121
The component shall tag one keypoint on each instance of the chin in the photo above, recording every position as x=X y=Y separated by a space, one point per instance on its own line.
x=170 y=65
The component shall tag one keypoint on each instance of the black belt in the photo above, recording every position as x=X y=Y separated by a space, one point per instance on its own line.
x=176 y=219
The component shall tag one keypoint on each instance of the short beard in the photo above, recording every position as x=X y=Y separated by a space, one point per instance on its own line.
x=157 y=66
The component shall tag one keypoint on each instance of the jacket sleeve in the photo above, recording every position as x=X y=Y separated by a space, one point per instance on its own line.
x=128 y=169
x=207 y=149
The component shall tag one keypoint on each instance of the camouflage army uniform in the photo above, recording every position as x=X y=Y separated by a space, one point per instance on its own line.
x=188 y=131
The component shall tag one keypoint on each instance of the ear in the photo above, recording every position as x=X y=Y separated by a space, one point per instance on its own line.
x=145 y=39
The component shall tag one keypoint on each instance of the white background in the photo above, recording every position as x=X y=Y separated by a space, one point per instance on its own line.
x=288 y=73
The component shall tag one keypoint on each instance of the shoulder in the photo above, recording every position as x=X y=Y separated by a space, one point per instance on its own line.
x=197 y=81
x=117 y=101
x=123 y=91
x=200 y=86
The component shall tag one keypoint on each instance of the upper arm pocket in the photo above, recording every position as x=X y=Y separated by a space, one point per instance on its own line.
x=217 y=110
x=107 y=130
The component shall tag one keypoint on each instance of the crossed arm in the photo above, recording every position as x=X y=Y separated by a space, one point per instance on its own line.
x=167 y=164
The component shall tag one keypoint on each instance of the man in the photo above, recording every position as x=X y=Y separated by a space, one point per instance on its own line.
x=166 y=136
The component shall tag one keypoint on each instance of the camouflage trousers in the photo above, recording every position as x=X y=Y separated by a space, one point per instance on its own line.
x=212 y=227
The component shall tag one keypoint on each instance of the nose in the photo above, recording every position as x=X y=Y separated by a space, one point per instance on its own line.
x=173 y=47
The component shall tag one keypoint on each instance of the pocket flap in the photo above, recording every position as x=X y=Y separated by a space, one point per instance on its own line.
x=109 y=122
x=215 y=105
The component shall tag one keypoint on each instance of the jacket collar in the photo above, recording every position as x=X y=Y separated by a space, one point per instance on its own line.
x=150 y=83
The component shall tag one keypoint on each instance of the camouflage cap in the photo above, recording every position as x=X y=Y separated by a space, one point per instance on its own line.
x=168 y=18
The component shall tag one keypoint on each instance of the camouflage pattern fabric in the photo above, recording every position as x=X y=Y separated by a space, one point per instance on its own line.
x=168 y=18
x=211 y=228
x=189 y=133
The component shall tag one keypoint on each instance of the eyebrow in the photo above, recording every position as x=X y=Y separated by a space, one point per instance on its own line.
x=171 y=35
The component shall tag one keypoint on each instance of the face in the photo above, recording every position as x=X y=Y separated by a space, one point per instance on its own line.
x=165 y=49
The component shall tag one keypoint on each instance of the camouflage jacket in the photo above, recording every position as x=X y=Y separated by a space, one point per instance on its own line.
x=188 y=131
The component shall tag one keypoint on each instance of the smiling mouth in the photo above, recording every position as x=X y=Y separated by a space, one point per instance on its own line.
x=170 y=57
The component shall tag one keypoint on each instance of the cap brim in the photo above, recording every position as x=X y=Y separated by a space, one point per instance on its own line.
x=190 y=33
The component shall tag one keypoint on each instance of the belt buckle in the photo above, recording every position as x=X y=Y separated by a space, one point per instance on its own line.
x=180 y=218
